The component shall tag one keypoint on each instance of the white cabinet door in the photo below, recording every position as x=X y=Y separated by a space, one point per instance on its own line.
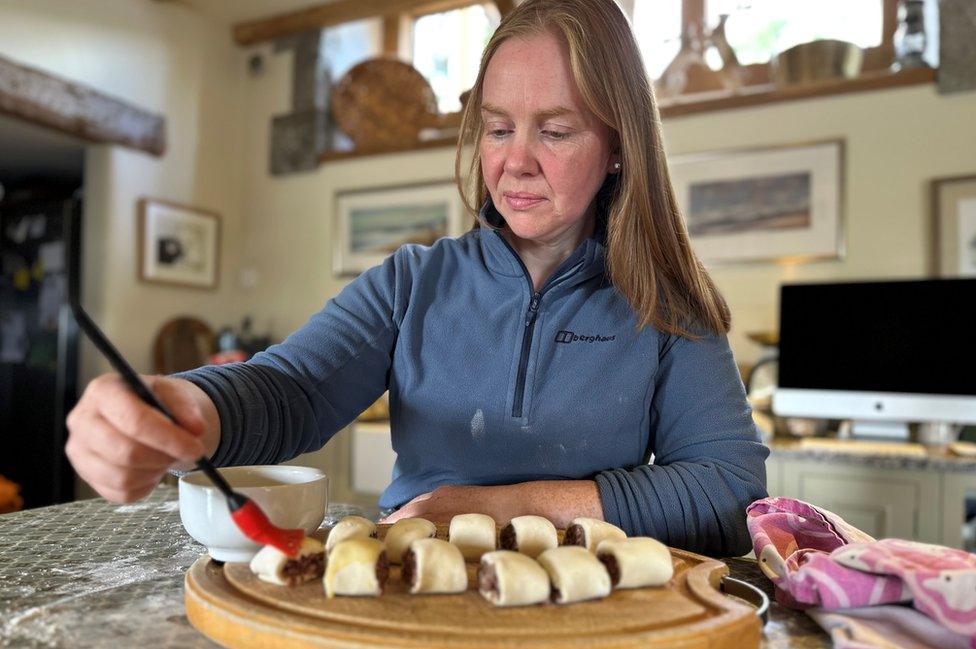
x=371 y=457
x=885 y=503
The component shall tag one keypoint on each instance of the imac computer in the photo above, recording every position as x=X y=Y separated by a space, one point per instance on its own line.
x=881 y=354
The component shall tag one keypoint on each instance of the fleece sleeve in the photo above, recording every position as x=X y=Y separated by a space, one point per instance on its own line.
x=709 y=462
x=293 y=397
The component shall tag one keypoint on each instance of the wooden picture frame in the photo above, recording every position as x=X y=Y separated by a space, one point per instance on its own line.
x=780 y=203
x=178 y=245
x=954 y=226
x=372 y=223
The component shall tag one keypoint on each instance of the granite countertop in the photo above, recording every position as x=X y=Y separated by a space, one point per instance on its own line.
x=95 y=574
x=935 y=458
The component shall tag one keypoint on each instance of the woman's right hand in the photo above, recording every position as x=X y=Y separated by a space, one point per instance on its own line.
x=123 y=447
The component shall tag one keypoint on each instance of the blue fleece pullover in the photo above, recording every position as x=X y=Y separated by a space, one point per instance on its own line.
x=494 y=383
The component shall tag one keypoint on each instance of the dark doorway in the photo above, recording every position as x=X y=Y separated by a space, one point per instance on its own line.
x=41 y=174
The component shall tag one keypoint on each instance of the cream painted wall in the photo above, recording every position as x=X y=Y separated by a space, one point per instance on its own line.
x=166 y=59
x=895 y=142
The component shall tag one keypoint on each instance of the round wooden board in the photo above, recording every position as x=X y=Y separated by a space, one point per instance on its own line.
x=234 y=608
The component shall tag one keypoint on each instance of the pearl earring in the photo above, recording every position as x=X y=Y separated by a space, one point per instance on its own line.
x=616 y=166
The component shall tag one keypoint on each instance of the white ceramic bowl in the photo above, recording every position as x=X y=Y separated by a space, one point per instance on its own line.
x=291 y=496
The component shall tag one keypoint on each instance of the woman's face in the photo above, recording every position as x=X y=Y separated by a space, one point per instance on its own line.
x=543 y=154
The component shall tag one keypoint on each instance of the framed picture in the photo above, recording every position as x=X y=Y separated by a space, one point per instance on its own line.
x=178 y=244
x=954 y=226
x=372 y=223
x=781 y=203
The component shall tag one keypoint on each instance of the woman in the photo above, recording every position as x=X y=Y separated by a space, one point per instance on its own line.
x=536 y=363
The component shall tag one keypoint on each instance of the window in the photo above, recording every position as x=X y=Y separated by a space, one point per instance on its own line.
x=756 y=29
x=657 y=26
x=345 y=45
x=447 y=50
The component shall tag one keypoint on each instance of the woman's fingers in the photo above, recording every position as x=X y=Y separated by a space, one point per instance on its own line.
x=117 y=449
x=139 y=421
x=115 y=484
x=122 y=446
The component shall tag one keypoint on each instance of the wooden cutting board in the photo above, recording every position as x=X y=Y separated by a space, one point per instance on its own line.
x=231 y=606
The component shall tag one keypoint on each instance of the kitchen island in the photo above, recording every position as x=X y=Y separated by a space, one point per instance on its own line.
x=95 y=574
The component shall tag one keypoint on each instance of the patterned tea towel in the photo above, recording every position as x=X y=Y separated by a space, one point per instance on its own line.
x=819 y=562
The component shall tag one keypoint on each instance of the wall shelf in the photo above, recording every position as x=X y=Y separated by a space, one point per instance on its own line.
x=711 y=102
x=771 y=94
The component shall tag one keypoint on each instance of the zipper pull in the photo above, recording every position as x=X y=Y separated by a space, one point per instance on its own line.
x=533 y=308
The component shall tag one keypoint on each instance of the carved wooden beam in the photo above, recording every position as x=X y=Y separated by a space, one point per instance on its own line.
x=78 y=110
x=336 y=13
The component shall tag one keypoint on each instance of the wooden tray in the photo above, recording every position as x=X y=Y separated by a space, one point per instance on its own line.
x=234 y=608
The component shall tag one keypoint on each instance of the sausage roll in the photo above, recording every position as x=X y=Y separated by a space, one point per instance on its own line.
x=275 y=567
x=529 y=535
x=636 y=562
x=473 y=534
x=348 y=528
x=576 y=574
x=434 y=566
x=507 y=578
x=588 y=532
x=356 y=566
x=404 y=532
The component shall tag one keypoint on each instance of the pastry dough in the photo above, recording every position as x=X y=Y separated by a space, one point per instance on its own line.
x=434 y=566
x=507 y=578
x=275 y=567
x=576 y=574
x=588 y=532
x=357 y=566
x=636 y=562
x=404 y=532
x=473 y=534
x=348 y=528
x=529 y=535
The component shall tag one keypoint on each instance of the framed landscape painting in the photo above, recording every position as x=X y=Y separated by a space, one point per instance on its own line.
x=780 y=203
x=954 y=226
x=372 y=224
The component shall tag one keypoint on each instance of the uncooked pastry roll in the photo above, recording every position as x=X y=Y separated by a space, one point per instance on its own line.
x=588 y=532
x=576 y=574
x=434 y=566
x=636 y=562
x=274 y=566
x=350 y=527
x=507 y=578
x=404 y=532
x=357 y=566
x=529 y=535
x=473 y=534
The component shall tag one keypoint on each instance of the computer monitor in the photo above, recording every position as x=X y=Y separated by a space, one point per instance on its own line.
x=882 y=354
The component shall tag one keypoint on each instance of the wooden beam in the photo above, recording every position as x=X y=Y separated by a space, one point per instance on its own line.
x=343 y=11
x=505 y=7
x=77 y=110
x=318 y=17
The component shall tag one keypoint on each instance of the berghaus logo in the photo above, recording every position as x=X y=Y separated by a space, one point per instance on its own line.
x=570 y=337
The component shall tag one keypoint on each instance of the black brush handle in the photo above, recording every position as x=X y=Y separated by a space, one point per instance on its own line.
x=129 y=375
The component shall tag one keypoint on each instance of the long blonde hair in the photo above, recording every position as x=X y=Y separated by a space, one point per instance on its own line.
x=649 y=257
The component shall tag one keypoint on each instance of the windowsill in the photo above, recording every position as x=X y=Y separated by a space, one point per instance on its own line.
x=713 y=101
x=771 y=94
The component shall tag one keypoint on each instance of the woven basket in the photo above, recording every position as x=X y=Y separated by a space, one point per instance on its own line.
x=383 y=102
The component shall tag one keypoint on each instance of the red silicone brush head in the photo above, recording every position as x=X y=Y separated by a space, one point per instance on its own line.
x=256 y=526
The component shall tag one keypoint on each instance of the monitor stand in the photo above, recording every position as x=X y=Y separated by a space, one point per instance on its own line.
x=894 y=430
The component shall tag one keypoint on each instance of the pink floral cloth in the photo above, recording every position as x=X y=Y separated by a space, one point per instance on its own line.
x=816 y=559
